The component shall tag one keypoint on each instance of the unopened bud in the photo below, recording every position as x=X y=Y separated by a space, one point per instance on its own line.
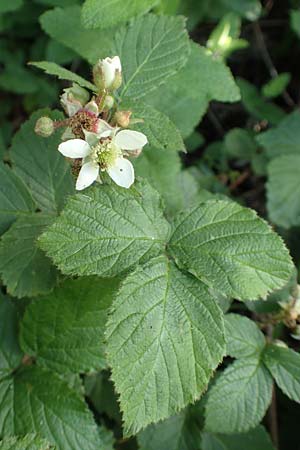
x=108 y=102
x=107 y=73
x=44 y=127
x=92 y=107
x=122 y=118
x=73 y=99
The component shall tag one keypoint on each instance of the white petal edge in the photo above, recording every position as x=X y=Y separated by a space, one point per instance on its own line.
x=122 y=173
x=88 y=174
x=91 y=138
x=103 y=128
x=109 y=71
x=130 y=140
x=74 y=148
x=117 y=63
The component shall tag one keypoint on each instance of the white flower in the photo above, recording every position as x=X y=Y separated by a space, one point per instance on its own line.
x=107 y=73
x=104 y=151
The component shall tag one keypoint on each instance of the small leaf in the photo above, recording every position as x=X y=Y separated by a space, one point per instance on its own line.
x=240 y=397
x=15 y=200
x=243 y=337
x=107 y=230
x=37 y=401
x=10 y=352
x=107 y=13
x=255 y=439
x=160 y=316
x=151 y=48
x=12 y=5
x=231 y=249
x=28 y=442
x=276 y=85
x=52 y=68
x=284 y=365
x=283 y=190
x=25 y=270
x=40 y=165
x=65 y=330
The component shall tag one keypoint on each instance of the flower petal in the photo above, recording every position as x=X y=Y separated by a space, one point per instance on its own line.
x=103 y=128
x=130 y=140
x=74 y=148
x=122 y=173
x=116 y=63
x=88 y=174
x=91 y=138
x=109 y=71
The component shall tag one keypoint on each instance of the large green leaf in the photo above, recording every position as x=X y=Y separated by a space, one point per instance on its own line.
x=240 y=397
x=255 y=439
x=64 y=25
x=63 y=74
x=284 y=365
x=107 y=13
x=29 y=442
x=12 y=5
x=243 y=337
x=39 y=164
x=160 y=316
x=107 y=230
x=15 y=200
x=25 y=270
x=228 y=247
x=284 y=139
x=10 y=353
x=187 y=94
x=283 y=190
x=65 y=331
x=37 y=401
x=151 y=49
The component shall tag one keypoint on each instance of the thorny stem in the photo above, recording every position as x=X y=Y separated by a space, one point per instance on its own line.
x=268 y=61
x=272 y=413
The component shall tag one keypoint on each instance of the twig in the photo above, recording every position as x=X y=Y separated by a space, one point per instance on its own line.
x=240 y=180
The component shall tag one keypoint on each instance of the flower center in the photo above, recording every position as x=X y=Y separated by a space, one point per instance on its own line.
x=105 y=153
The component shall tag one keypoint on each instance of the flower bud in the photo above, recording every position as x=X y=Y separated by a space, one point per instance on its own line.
x=44 y=127
x=73 y=99
x=122 y=118
x=107 y=73
x=108 y=102
x=92 y=107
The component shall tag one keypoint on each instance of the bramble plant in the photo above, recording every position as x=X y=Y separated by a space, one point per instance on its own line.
x=144 y=304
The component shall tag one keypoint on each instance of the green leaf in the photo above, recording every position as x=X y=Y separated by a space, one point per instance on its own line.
x=283 y=191
x=255 y=439
x=187 y=94
x=65 y=331
x=180 y=432
x=284 y=365
x=295 y=21
x=231 y=249
x=256 y=105
x=243 y=337
x=284 y=139
x=37 y=161
x=12 y=5
x=276 y=85
x=160 y=316
x=108 y=13
x=158 y=128
x=37 y=401
x=89 y=44
x=52 y=68
x=151 y=48
x=250 y=9
x=10 y=353
x=240 y=397
x=18 y=79
x=107 y=230
x=28 y=442
x=15 y=200
x=240 y=143
x=24 y=268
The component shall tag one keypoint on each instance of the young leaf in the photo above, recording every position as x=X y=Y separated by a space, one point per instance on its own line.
x=25 y=270
x=108 y=13
x=160 y=316
x=89 y=44
x=255 y=439
x=28 y=442
x=243 y=337
x=10 y=352
x=65 y=331
x=158 y=128
x=240 y=397
x=63 y=74
x=107 y=230
x=15 y=200
x=12 y=5
x=231 y=249
x=276 y=85
x=151 y=48
x=41 y=166
x=284 y=365
x=283 y=190
x=37 y=401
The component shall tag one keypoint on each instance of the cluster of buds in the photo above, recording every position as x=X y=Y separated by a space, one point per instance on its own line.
x=290 y=314
x=96 y=135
